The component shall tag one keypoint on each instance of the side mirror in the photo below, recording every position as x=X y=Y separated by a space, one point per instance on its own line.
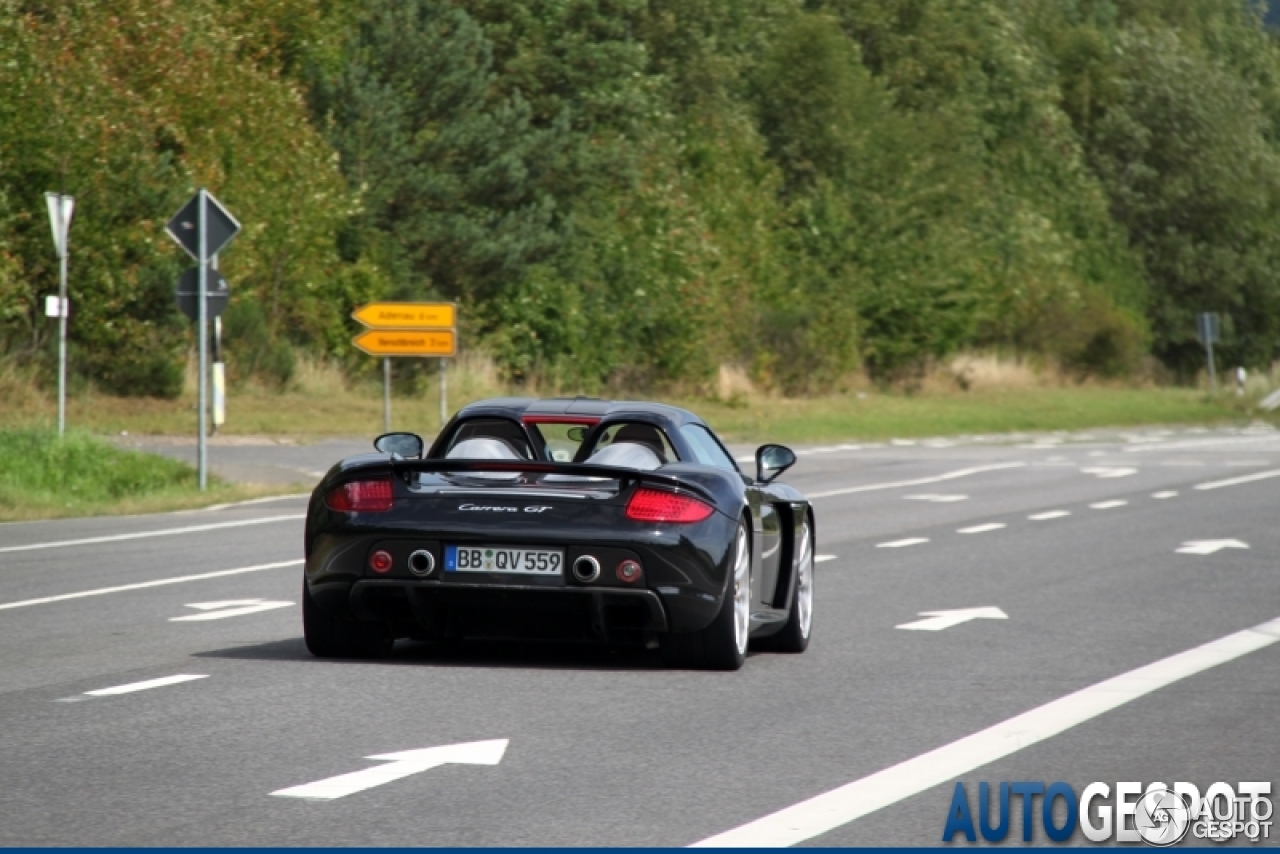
x=773 y=460
x=405 y=445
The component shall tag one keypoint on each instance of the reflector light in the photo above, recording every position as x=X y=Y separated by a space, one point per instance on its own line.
x=380 y=561
x=360 y=496
x=656 y=505
x=629 y=571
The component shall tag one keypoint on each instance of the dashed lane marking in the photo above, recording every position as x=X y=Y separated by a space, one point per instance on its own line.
x=823 y=558
x=1235 y=481
x=1052 y=514
x=936 y=499
x=165 y=532
x=981 y=529
x=143 y=585
x=1168 y=493
x=898 y=544
x=838 y=807
x=1107 y=505
x=951 y=475
x=231 y=608
x=148 y=684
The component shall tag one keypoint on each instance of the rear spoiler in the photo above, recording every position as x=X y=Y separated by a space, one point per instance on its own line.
x=540 y=467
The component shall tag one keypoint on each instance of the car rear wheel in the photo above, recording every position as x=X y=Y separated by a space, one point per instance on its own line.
x=794 y=636
x=330 y=637
x=723 y=644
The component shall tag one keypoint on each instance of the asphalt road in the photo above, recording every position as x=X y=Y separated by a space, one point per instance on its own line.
x=1075 y=539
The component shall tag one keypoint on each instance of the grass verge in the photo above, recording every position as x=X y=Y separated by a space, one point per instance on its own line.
x=323 y=402
x=44 y=477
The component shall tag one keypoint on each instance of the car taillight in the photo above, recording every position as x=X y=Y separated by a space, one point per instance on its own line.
x=656 y=505
x=360 y=496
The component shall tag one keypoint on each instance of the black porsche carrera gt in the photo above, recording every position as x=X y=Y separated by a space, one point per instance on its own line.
x=574 y=518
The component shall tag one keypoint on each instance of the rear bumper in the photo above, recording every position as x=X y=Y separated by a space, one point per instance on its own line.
x=429 y=609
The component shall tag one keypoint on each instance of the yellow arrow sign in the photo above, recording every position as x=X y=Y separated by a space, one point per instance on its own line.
x=407 y=315
x=407 y=342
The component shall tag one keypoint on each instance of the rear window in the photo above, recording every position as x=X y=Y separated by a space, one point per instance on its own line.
x=561 y=438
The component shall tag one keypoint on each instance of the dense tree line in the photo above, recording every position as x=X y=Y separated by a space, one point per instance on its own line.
x=637 y=191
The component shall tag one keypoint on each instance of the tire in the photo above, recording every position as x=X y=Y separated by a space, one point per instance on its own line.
x=794 y=636
x=329 y=637
x=723 y=644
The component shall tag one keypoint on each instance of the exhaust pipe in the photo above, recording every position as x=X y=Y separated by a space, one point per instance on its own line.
x=422 y=562
x=586 y=569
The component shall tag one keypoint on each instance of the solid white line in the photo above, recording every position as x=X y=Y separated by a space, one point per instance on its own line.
x=1168 y=493
x=897 y=544
x=143 y=686
x=823 y=558
x=951 y=475
x=248 y=502
x=981 y=529
x=160 y=582
x=1052 y=514
x=1107 y=505
x=838 y=807
x=1248 y=478
x=166 y=532
x=230 y=612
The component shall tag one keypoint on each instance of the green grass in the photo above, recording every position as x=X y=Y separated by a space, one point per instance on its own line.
x=42 y=476
x=884 y=416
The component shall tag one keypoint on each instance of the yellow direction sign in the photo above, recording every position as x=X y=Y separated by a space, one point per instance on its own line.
x=407 y=342
x=407 y=315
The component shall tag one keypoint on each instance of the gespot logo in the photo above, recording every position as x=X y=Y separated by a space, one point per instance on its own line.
x=1158 y=815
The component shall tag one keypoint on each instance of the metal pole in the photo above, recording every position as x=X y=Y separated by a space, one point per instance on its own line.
x=202 y=336
x=444 y=388
x=386 y=394
x=1213 y=376
x=62 y=319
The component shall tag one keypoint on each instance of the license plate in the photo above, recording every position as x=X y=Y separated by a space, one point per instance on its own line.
x=503 y=559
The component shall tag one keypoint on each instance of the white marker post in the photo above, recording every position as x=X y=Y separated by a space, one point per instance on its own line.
x=61 y=208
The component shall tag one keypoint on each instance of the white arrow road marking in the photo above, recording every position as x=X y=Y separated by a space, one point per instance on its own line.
x=1168 y=493
x=981 y=529
x=1109 y=472
x=190 y=529
x=143 y=686
x=945 y=764
x=228 y=608
x=939 y=620
x=1107 y=505
x=898 y=544
x=936 y=499
x=142 y=585
x=1235 y=481
x=1052 y=514
x=823 y=558
x=1208 y=547
x=402 y=764
x=951 y=475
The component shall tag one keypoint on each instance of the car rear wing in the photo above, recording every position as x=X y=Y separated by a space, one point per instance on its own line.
x=542 y=468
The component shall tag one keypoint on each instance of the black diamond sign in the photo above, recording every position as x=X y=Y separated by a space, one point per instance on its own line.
x=220 y=226
x=189 y=293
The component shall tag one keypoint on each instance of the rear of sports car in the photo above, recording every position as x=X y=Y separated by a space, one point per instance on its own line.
x=560 y=552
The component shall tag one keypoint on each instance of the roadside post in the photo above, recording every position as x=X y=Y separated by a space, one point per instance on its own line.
x=1207 y=326
x=203 y=227
x=61 y=207
x=407 y=329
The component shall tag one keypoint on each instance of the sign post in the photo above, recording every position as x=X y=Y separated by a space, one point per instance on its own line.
x=1207 y=326
x=203 y=227
x=61 y=207
x=407 y=329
